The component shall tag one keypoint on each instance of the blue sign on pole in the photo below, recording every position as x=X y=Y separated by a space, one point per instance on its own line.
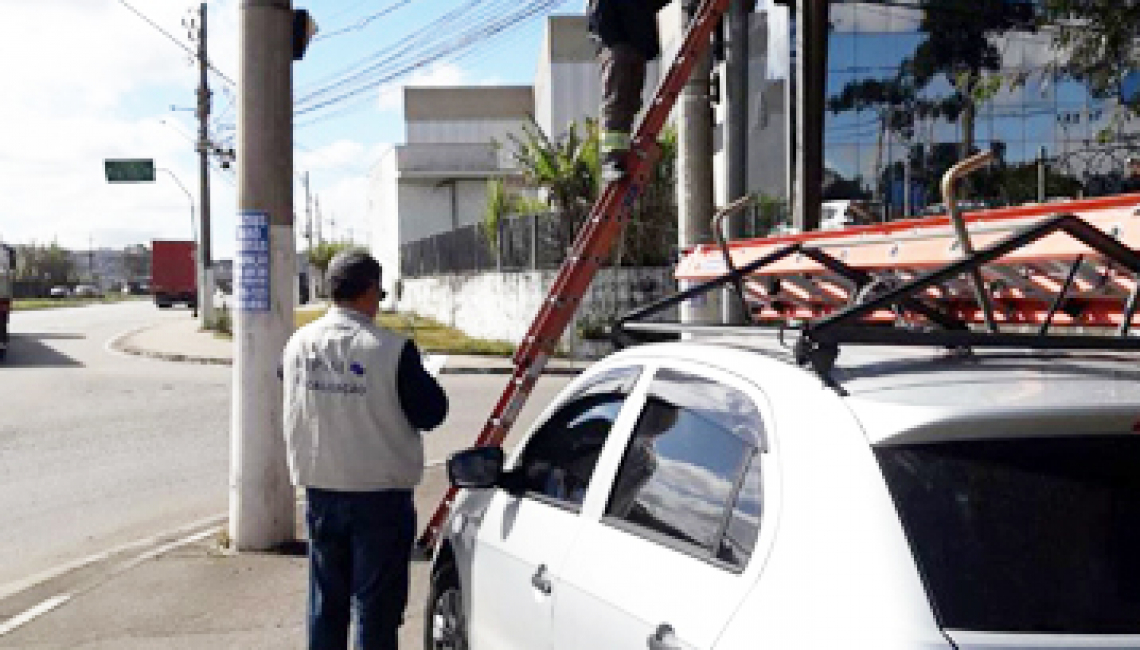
x=252 y=263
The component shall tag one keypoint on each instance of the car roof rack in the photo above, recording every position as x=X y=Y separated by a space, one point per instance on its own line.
x=884 y=285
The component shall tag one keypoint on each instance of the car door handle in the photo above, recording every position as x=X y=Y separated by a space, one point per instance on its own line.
x=664 y=639
x=539 y=580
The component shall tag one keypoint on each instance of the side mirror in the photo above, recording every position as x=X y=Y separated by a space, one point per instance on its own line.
x=478 y=467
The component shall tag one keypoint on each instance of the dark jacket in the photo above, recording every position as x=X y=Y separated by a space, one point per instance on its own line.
x=633 y=22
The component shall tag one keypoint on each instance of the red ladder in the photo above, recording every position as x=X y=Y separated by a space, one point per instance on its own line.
x=591 y=247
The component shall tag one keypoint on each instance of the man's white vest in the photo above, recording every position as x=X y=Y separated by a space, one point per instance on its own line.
x=344 y=426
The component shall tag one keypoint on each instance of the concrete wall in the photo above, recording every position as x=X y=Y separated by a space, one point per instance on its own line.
x=501 y=306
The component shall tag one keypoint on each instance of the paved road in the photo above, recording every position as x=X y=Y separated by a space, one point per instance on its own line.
x=98 y=449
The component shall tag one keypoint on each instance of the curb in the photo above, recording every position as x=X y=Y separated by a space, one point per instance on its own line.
x=118 y=345
x=466 y=370
x=172 y=356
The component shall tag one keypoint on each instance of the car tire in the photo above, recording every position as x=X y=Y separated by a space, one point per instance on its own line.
x=445 y=624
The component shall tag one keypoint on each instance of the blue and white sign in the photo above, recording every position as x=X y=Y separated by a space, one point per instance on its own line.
x=252 y=263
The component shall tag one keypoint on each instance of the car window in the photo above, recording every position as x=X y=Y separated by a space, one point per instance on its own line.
x=690 y=474
x=1024 y=535
x=558 y=460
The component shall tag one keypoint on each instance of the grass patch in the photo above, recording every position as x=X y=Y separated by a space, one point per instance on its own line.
x=33 y=304
x=429 y=335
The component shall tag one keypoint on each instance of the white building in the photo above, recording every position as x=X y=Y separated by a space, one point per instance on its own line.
x=437 y=181
x=456 y=137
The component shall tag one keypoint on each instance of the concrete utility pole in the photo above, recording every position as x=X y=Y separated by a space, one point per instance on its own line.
x=695 y=174
x=262 y=501
x=309 y=269
x=317 y=212
x=811 y=76
x=735 y=135
x=205 y=265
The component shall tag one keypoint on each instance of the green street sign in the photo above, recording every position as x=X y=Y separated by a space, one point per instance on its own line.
x=134 y=170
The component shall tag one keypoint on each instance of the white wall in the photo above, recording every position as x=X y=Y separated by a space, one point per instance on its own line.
x=462 y=131
x=501 y=306
x=383 y=217
x=574 y=96
x=429 y=207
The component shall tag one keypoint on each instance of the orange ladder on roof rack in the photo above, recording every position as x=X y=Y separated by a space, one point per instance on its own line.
x=591 y=246
x=1021 y=284
x=908 y=284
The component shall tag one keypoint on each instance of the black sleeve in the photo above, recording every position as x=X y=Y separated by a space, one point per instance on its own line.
x=421 y=396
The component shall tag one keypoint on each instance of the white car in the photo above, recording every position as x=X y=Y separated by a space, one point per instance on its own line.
x=715 y=495
x=87 y=291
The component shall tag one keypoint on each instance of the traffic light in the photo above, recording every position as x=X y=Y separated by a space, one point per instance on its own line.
x=304 y=28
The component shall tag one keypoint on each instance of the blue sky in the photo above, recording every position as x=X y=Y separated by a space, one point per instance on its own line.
x=91 y=79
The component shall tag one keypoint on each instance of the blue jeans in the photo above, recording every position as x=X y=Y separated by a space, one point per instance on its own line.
x=360 y=545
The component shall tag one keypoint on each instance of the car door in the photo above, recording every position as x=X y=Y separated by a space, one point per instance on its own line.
x=663 y=565
x=525 y=532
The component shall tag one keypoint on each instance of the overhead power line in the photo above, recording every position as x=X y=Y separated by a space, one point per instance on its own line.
x=363 y=22
x=450 y=35
x=177 y=42
x=358 y=103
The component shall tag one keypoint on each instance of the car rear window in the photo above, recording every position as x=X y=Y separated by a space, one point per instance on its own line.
x=1027 y=535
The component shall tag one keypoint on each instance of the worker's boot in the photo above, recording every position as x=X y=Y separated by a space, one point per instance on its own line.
x=614 y=150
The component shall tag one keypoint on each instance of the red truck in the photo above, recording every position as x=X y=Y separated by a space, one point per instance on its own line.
x=7 y=266
x=173 y=276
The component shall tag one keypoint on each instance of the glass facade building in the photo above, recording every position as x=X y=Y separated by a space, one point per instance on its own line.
x=896 y=116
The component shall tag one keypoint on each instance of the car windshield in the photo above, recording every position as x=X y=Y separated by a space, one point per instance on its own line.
x=1028 y=535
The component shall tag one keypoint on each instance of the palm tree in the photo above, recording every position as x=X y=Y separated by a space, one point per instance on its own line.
x=568 y=169
x=565 y=167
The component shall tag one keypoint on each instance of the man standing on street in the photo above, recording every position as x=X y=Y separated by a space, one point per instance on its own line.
x=356 y=398
x=626 y=32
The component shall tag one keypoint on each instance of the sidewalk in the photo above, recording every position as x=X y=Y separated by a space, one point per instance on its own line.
x=183 y=340
x=190 y=594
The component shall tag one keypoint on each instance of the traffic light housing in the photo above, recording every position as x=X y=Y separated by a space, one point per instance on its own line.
x=304 y=28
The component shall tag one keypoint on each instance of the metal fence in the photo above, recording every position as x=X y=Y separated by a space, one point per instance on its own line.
x=538 y=241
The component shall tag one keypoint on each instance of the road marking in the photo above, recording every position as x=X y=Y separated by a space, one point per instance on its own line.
x=32 y=613
x=13 y=588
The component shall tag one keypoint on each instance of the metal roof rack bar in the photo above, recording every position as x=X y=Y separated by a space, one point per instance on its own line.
x=819 y=340
x=1074 y=226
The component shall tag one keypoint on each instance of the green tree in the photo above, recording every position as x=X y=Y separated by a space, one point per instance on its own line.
x=958 y=47
x=568 y=170
x=322 y=253
x=51 y=264
x=651 y=234
x=501 y=204
x=1098 y=38
x=895 y=104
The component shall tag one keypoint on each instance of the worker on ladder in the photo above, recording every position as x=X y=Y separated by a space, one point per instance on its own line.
x=626 y=32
